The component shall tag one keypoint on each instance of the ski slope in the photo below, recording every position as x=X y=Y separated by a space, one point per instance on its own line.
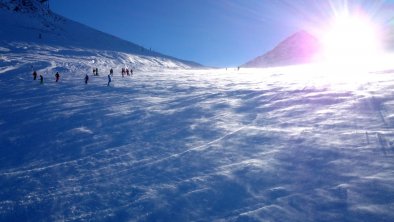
x=178 y=143
x=284 y=144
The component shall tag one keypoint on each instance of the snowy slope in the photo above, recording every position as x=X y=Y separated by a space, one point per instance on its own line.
x=44 y=30
x=299 y=48
x=295 y=144
x=302 y=143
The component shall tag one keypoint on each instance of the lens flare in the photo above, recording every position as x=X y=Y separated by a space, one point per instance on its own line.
x=352 y=40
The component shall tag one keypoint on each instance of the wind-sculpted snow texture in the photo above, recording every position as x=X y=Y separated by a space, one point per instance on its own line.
x=211 y=145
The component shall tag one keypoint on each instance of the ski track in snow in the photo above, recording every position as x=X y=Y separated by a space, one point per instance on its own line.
x=191 y=145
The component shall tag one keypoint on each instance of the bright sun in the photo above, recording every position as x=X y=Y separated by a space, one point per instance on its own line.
x=351 y=40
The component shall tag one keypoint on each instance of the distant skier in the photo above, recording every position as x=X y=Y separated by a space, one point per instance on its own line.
x=111 y=72
x=127 y=72
x=131 y=71
x=123 y=72
x=86 y=79
x=109 y=80
x=41 y=79
x=57 y=76
x=94 y=71
x=97 y=72
x=34 y=75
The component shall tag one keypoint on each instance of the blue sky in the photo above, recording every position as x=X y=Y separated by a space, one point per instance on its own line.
x=220 y=33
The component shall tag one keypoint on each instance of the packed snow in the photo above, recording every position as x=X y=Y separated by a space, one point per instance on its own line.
x=177 y=143
x=284 y=144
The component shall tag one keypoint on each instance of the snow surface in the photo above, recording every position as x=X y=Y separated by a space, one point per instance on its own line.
x=285 y=144
x=171 y=143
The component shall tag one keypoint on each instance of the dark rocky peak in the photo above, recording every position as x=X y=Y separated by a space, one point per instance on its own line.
x=26 y=6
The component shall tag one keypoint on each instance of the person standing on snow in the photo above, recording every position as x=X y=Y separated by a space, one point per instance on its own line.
x=41 y=79
x=96 y=71
x=57 y=76
x=127 y=72
x=34 y=75
x=111 y=72
x=109 y=79
x=86 y=79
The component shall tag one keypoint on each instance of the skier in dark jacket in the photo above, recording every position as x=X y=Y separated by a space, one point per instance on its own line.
x=111 y=72
x=86 y=79
x=57 y=76
x=34 y=75
x=109 y=79
x=96 y=71
x=127 y=72
x=41 y=79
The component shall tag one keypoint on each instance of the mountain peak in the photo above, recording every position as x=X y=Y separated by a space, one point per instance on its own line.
x=299 y=48
x=26 y=6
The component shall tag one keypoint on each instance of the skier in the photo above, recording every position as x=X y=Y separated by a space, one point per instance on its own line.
x=86 y=79
x=123 y=72
x=131 y=71
x=96 y=71
x=34 y=75
x=41 y=79
x=111 y=72
x=109 y=79
x=57 y=76
x=127 y=72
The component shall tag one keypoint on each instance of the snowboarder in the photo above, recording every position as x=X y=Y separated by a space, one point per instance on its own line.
x=34 y=75
x=86 y=79
x=111 y=72
x=41 y=79
x=57 y=76
x=109 y=79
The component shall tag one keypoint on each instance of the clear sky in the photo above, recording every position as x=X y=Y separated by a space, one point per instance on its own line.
x=219 y=33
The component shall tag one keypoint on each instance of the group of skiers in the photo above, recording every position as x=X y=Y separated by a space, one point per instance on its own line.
x=95 y=73
x=127 y=72
x=57 y=77
x=109 y=78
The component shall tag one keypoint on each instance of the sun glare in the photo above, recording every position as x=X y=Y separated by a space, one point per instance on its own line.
x=352 y=40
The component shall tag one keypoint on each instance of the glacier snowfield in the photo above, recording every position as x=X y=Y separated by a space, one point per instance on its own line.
x=282 y=144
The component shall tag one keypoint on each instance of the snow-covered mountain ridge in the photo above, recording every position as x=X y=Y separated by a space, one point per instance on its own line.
x=31 y=23
x=299 y=48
